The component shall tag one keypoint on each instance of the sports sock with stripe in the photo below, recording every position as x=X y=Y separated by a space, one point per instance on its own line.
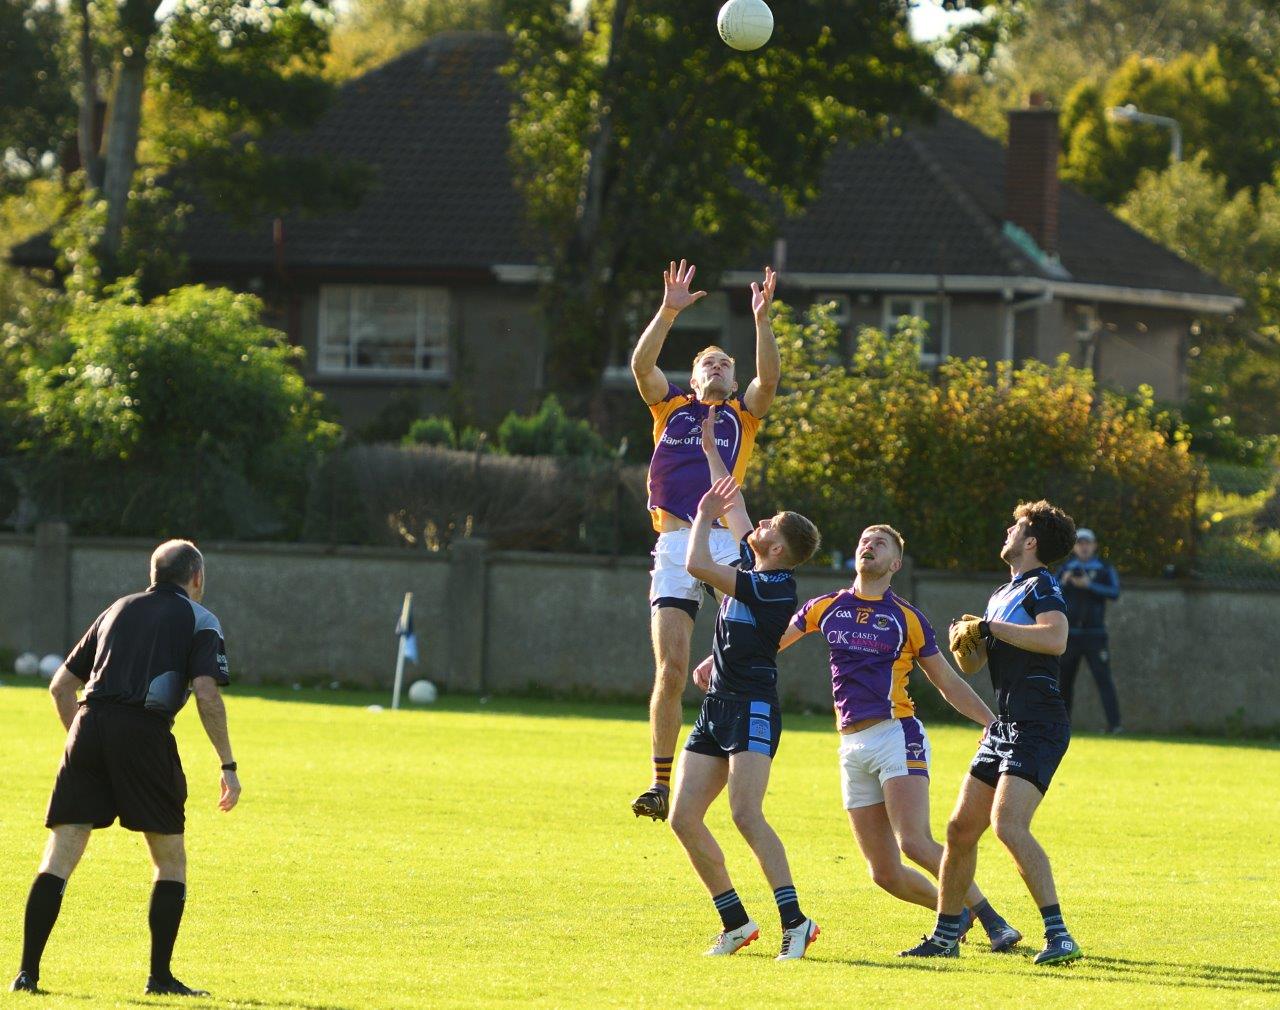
x=947 y=931
x=662 y=772
x=730 y=907
x=788 y=906
x=1053 y=924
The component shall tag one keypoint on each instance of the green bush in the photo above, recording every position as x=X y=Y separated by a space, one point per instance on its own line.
x=549 y=432
x=184 y=415
x=432 y=431
x=441 y=432
x=945 y=461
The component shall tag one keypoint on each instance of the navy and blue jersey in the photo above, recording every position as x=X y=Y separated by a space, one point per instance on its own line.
x=1026 y=683
x=749 y=627
x=1087 y=605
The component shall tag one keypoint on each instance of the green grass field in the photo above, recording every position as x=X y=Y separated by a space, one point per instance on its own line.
x=484 y=855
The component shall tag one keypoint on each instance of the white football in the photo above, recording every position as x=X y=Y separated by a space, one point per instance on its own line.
x=27 y=665
x=423 y=692
x=745 y=24
x=49 y=665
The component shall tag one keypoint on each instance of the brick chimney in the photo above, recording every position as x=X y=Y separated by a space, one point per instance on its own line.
x=1031 y=172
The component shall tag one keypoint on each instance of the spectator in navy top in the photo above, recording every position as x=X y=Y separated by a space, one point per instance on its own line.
x=1088 y=584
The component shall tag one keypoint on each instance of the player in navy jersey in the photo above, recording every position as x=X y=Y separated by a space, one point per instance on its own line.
x=737 y=731
x=1020 y=637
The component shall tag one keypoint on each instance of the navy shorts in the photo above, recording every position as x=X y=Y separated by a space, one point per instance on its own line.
x=1026 y=750
x=732 y=725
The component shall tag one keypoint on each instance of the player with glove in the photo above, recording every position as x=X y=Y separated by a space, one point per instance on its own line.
x=1021 y=635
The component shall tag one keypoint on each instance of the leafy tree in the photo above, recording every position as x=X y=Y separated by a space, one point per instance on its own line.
x=1051 y=46
x=1234 y=363
x=211 y=78
x=37 y=110
x=183 y=414
x=233 y=71
x=638 y=135
x=1226 y=99
x=872 y=440
x=371 y=32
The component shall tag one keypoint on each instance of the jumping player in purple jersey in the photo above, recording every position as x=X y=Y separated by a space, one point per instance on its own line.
x=678 y=478
x=874 y=638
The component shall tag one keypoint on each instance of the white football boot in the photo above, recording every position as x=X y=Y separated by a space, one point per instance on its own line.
x=795 y=941
x=733 y=940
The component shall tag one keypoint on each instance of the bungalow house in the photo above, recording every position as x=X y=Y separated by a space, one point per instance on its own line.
x=431 y=283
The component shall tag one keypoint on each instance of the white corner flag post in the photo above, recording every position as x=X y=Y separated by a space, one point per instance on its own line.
x=407 y=644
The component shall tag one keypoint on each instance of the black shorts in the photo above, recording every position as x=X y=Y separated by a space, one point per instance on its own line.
x=731 y=725
x=120 y=762
x=1026 y=750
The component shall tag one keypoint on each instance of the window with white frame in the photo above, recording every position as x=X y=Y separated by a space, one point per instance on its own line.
x=933 y=310
x=384 y=330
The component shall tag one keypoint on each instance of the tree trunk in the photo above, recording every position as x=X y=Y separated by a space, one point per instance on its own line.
x=138 y=25
x=88 y=133
x=574 y=315
x=122 y=147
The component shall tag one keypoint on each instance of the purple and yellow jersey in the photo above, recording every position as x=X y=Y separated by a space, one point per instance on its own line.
x=678 y=474
x=873 y=645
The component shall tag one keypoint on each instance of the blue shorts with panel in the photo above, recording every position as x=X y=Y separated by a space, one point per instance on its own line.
x=1024 y=749
x=732 y=725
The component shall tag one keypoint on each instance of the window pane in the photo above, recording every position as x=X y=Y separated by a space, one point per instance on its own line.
x=385 y=331
x=335 y=328
x=931 y=312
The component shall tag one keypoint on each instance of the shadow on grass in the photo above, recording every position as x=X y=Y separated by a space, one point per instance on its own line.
x=1096 y=968
x=213 y=1001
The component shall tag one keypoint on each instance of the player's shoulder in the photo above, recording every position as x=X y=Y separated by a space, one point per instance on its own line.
x=908 y=608
x=206 y=620
x=826 y=599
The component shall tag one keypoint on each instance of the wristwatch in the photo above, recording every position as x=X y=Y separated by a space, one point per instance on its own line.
x=230 y=766
x=984 y=629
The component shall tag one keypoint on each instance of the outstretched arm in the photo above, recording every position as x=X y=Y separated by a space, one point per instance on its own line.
x=699 y=562
x=759 y=395
x=957 y=692
x=676 y=297
x=737 y=519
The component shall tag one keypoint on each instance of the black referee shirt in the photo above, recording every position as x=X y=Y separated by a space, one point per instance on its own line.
x=145 y=649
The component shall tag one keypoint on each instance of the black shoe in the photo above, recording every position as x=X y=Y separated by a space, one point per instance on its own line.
x=25 y=982
x=171 y=987
x=653 y=802
x=932 y=948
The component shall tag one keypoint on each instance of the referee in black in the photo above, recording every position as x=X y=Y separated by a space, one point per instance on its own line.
x=138 y=663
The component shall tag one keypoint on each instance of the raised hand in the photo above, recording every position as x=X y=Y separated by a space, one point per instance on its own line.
x=675 y=284
x=717 y=501
x=762 y=294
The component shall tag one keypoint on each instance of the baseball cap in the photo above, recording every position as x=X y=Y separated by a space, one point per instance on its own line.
x=1084 y=533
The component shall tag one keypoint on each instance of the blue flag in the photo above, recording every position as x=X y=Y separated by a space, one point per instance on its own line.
x=404 y=628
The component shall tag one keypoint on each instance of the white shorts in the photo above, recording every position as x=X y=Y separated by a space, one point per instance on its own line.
x=670 y=579
x=887 y=750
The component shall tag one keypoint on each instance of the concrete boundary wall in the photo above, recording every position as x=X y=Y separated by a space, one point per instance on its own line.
x=498 y=622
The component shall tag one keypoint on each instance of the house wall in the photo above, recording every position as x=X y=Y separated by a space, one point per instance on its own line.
x=499 y=347
x=1139 y=344
x=495 y=366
